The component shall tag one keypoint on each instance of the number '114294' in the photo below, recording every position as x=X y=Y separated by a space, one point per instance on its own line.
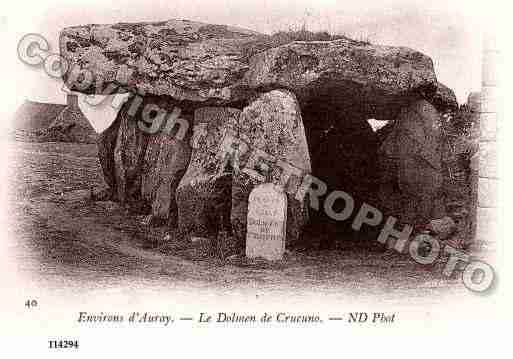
x=63 y=344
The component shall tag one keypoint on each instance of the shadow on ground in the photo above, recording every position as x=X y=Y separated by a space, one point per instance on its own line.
x=58 y=232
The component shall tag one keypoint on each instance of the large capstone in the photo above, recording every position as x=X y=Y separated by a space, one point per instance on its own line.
x=186 y=60
x=222 y=65
x=378 y=78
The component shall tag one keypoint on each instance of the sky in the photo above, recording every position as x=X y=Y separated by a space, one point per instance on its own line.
x=451 y=36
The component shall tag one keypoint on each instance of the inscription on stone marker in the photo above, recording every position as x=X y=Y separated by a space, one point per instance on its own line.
x=266 y=223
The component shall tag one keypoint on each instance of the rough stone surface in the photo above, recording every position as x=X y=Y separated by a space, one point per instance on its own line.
x=183 y=59
x=410 y=158
x=129 y=152
x=442 y=227
x=218 y=65
x=165 y=162
x=272 y=128
x=378 y=78
x=204 y=193
x=444 y=98
x=101 y=193
x=106 y=143
x=144 y=167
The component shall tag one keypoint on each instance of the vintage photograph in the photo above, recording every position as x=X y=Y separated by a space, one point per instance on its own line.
x=330 y=149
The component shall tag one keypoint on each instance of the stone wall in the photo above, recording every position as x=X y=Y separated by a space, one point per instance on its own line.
x=488 y=212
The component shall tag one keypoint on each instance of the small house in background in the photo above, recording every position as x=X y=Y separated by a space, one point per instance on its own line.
x=48 y=122
x=34 y=116
x=73 y=123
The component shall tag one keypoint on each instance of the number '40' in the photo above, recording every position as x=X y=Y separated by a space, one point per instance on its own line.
x=31 y=303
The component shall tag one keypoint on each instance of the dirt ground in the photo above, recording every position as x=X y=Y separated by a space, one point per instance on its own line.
x=57 y=232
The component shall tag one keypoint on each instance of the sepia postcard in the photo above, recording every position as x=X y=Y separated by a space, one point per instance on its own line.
x=246 y=178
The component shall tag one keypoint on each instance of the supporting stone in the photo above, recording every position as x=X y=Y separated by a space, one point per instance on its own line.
x=144 y=155
x=129 y=154
x=204 y=193
x=272 y=127
x=165 y=162
x=106 y=143
x=411 y=166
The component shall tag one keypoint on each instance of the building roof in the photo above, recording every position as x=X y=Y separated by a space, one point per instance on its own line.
x=72 y=122
x=33 y=116
x=48 y=122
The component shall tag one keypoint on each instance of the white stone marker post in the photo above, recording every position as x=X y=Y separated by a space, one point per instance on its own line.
x=267 y=218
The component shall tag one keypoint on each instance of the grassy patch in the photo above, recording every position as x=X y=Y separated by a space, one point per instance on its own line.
x=285 y=37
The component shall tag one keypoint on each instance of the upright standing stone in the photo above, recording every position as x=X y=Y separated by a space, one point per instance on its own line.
x=204 y=193
x=275 y=150
x=266 y=223
x=129 y=152
x=106 y=143
x=144 y=155
x=166 y=160
x=411 y=166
